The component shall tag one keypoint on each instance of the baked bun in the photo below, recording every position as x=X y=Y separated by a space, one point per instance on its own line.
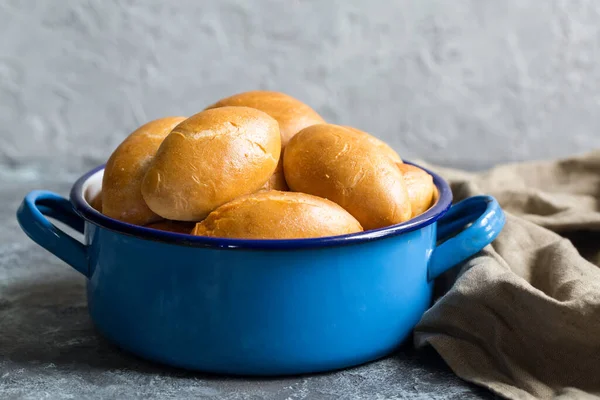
x=96 y=202
x=277 y=215
x=173 y=226
x=420 y=188
x=210 y=159
x=121 y=185
x=380 y=144
x=291 y=114
x=277 y=180
x=330 y=161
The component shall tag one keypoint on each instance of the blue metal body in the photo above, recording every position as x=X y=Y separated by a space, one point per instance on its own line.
x=259 y=307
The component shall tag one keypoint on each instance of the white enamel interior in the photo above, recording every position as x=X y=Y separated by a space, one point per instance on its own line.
x=93 y=186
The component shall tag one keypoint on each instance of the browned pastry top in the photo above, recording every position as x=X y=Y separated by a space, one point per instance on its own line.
x=330 y=161
x=278 y=215
x=291 y=114
x=209 y=159
x=125 y=169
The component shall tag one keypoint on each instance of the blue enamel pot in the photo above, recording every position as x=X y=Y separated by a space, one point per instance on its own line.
x=258 y=307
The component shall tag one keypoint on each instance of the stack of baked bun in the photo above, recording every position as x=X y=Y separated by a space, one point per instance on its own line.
x=260 y=165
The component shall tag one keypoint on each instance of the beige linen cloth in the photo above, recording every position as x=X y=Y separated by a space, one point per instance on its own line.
x=523 y=316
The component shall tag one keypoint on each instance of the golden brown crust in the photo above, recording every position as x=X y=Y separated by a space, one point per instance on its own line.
x=277 y=215
x=277 y=180
x=331 y=162
x=96 y=202
x=210 y=159
x=291 y=114
x=420 y=188
x=380 y=144
x=121 y=193
x=173 y=226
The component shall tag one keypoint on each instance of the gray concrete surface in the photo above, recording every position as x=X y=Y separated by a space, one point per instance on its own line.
x=50 y=350
x=464 y=83
x=461 y=83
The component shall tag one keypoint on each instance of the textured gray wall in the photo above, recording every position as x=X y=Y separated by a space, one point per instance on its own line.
x=466 y=83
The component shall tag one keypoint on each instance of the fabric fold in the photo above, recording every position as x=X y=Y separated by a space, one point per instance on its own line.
x=522 y=317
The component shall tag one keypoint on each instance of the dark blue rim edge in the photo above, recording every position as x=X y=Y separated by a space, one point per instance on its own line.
x=94 y=217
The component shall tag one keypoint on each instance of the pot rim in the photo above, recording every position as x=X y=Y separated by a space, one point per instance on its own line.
x=94 y=217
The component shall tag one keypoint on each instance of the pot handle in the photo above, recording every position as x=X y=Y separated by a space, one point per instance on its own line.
x=458 y=243
x=32 y=213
